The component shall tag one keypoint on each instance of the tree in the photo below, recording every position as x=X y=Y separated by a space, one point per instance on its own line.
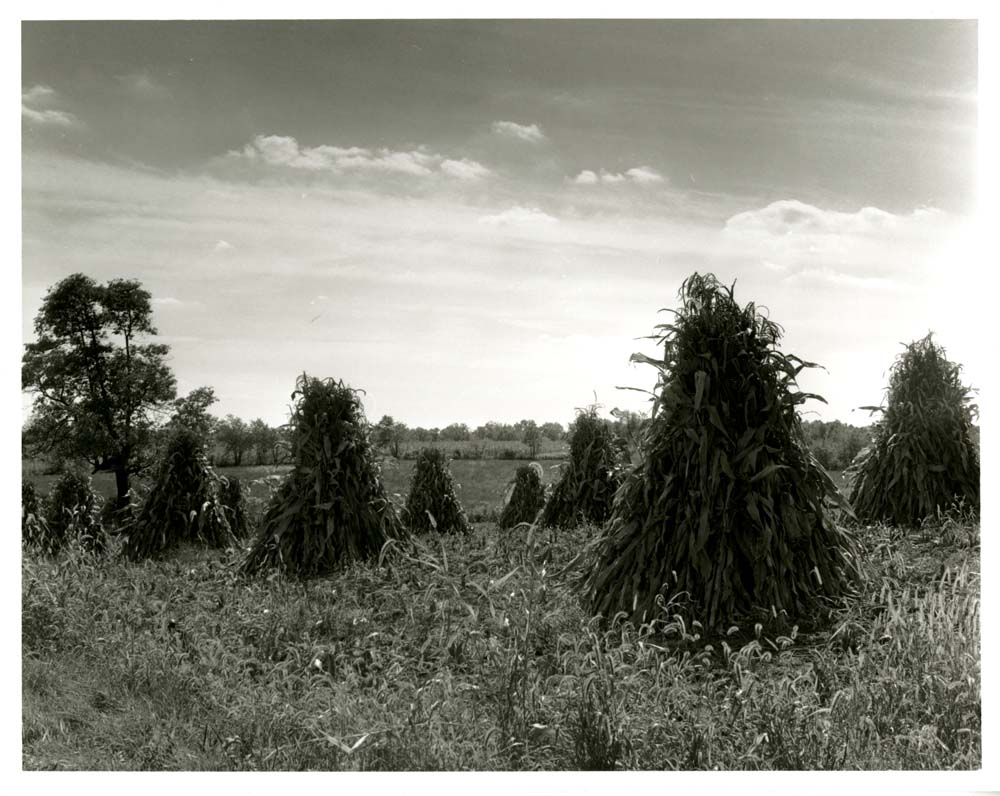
x=553 y=431
x=191 y=412
x=456 y=432
x=264 y=440
x=389 y=434
x=97 y=387
x=531 y=436
x=234 y=435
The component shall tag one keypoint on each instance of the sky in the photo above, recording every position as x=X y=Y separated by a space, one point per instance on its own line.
x=481 y=220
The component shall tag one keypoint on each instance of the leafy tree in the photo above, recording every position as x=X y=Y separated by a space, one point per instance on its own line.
x=233 y=434
x=389 y=434
x=456 y=432
x=264 y=440
x=553 y=431
x=531 y=436
x=97 y=387
x=191 y=412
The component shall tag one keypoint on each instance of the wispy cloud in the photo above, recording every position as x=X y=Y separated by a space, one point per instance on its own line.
x=525 y=132
x=36 y=107
x=143 y=86
x=643 y=175
x=285 y=151
x=465 y=169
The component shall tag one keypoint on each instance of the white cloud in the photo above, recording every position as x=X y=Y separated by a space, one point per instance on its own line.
x=789 y=216
x=642 y=175
x=860 y=249
x=223 y=245
x=465 y=169
x=285 y=151
x=167 y=301
x=519 y=216
x=35 y=108
x=525 y=132
x=38 y=95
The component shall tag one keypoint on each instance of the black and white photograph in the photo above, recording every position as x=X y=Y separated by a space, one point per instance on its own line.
x=501 y=394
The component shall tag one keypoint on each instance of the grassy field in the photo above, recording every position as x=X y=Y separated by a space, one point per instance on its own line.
x=482 y=482
x=475 y=654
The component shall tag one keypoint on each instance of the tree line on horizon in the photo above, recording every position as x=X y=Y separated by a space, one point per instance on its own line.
x=106 y=396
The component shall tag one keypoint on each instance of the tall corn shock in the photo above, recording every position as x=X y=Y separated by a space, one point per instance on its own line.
x=432 y=504
x=527 y=497
x=586 y=490
x=923 y=457
x=332 y=508
x=183 y=504
x=726 y=505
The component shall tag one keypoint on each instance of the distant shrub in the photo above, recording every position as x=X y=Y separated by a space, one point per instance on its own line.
x=924 y=456
x=183 y=504
x=332 y=508
x=432 y=503
x=586 y=490
x=527 y=497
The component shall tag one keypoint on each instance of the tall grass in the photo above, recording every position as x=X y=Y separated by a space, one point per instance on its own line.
x=473 y=653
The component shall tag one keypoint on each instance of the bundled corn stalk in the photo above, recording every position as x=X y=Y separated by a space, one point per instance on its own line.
x=72 y=511
x=923 y=457
x=234 y=504
x=527 y=497
x=726 y=506
x=183 y=504
x=586 y=490
x=332 y=507
x=432 y=503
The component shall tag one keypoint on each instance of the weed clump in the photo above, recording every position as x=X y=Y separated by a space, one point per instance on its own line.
x=432 y=503
x=586 y=490
x=726 y=504
x=183 y=503
x=527 y=497
x=32 y=531
x=333 y=506
x=923 y=457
